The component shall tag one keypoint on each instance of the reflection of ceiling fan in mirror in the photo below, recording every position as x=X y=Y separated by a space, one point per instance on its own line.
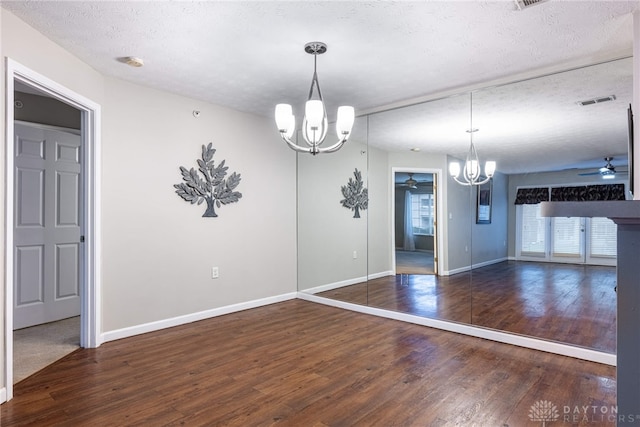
x=607 y=171
x=411 y=183
x=413 y=180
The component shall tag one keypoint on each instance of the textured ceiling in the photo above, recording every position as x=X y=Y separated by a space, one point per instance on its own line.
x=528 y=126
x=249 y=56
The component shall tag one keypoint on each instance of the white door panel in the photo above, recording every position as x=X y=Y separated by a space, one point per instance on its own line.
x=30 y=274
x=47 y=226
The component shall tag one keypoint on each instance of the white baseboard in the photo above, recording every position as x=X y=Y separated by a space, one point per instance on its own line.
x=348 y=282
x=335 y=285
x=470 y=267
x=193 y=317
x=381 y=274
x=490 y=262
x=474 y=331
x=3 y=395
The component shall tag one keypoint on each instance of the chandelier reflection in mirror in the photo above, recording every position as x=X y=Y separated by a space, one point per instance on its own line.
x=314 y=124
x=471 y=173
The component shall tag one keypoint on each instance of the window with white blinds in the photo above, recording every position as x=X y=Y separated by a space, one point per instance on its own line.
x=575 y=240
x=422 y=213
x=567 y=237
x=603 y=238
x=532 y=230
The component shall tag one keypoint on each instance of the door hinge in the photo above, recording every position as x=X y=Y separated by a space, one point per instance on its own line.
x=81 y=239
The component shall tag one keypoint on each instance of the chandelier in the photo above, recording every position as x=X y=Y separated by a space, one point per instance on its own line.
x=471 y=173
x=314 y=124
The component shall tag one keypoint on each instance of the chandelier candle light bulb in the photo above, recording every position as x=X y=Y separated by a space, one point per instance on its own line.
x=471 y=172
x=314 y=124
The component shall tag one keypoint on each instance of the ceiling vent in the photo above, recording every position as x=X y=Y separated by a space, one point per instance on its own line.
x=525 y=4
x=597 y=100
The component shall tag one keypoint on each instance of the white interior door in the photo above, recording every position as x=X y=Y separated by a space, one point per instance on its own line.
x=47 y=229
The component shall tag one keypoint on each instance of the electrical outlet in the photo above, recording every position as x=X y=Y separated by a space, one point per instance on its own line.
x=215 y=273
x=355 y=254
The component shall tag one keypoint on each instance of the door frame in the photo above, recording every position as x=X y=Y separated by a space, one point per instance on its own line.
x=437 y=179
x=90 y=305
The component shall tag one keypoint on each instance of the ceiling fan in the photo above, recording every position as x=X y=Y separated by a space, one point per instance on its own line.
x=411 y=183
x=607 y=171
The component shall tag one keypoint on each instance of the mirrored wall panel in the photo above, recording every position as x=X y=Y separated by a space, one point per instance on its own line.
x=481 y=255
x=332 y=217
x=559 y=137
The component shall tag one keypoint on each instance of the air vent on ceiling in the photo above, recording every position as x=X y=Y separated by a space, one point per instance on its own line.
x=523 y=4
x=597 y=100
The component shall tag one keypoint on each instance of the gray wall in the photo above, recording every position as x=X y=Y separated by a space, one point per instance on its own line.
x=328 y=234
x=489 y=241
x=148 y=135
x=157 y=250
x=459 y=218
x=379 y=242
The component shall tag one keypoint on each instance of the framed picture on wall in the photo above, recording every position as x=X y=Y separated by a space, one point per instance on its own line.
x=483 y=209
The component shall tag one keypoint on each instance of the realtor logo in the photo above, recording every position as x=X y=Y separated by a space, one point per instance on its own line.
x=545 y=411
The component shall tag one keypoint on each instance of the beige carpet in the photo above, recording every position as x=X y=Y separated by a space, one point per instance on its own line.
x=39 y=346
x=414 y=262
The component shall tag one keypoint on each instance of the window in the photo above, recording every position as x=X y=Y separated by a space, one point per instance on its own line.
x=575 y=240
x=567 y=238
x=532 y=231
x=603 y=238
x=422 y=213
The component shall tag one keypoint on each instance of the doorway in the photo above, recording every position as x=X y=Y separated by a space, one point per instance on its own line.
x=88 y=280
x=48 y=249
x=415 y=222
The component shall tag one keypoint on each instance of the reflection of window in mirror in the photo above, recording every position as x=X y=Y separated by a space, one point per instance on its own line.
x=585 y=240
x=422 y=214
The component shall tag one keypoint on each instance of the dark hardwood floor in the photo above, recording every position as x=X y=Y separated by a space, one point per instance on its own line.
x=569 y=303
x=299 y=363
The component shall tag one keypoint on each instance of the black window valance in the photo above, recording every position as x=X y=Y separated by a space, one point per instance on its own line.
x=532 y=196
x=582 y=193
x=588 y=193
x=569 y=194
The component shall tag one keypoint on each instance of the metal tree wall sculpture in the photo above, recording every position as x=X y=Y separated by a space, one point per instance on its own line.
x=356 y=197
x=214 y=188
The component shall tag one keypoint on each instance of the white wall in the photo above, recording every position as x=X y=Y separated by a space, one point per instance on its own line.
x=157 y=250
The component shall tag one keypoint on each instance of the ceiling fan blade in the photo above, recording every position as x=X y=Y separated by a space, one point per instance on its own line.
x=589 y=173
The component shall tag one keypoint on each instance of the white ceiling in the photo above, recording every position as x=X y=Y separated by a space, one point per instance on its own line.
x=249 y=56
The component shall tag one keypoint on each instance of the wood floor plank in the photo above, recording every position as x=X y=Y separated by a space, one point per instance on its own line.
x=299 y=363
x=575 y=304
